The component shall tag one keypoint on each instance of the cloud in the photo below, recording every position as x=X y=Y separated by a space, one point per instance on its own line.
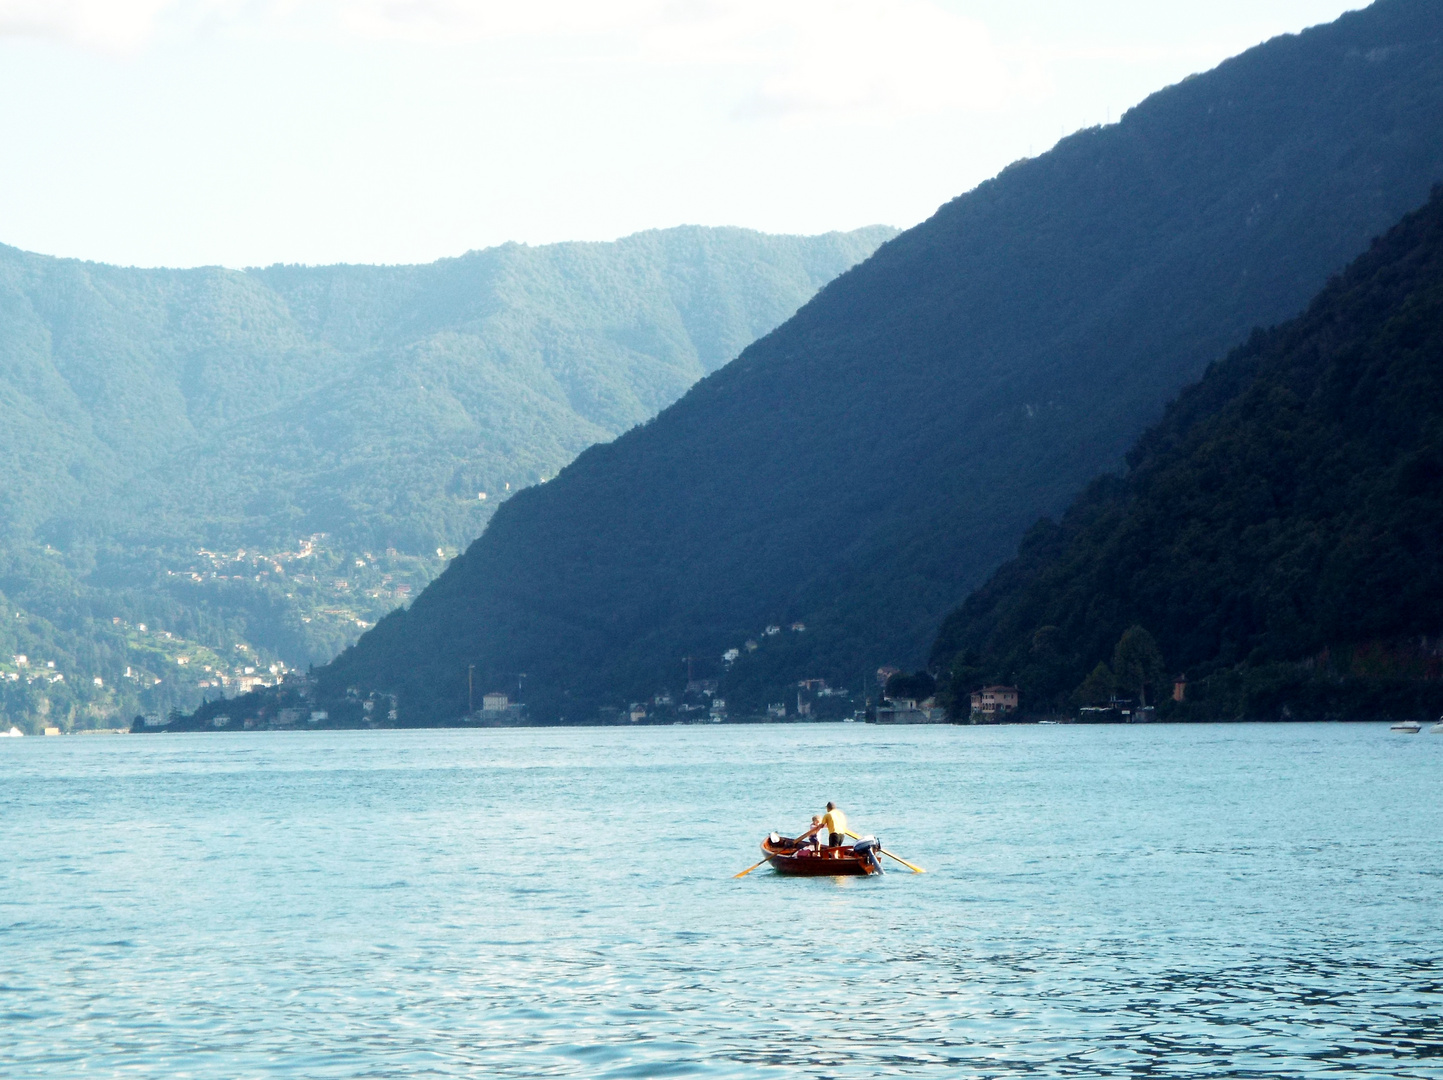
x=785 y=59
x=107 y=25
x=850 y=57
x=797 y=57
x=450 y=21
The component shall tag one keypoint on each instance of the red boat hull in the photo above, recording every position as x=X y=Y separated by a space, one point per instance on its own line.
x=804 y=861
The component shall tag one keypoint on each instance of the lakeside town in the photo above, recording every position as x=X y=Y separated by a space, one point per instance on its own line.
x=301 y=602
x=244 y=688
x=287 y=700
x=292 y=705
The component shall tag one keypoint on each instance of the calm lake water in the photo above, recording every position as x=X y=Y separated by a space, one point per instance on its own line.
x=1244 y=900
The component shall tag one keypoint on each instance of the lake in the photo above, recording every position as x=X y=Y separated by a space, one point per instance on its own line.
x=1164 y=900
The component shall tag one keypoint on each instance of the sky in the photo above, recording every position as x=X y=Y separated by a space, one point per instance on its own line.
x=250 y=132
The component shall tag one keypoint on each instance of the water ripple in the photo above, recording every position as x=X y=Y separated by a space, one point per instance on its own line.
x=1161 y=902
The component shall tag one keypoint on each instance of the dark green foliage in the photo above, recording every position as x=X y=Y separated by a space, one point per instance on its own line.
x=1098 y=688
x=146 y=414
x=1280 y=531
x=1136 y=663
x=877 y=456
x=918 y=686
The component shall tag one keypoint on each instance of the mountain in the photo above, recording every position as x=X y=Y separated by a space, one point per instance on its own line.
x=1279 y=533
x=265 y=461
x=242 y=406
x=860 y=469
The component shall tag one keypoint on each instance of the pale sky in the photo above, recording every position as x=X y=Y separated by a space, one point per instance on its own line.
x=248 y=132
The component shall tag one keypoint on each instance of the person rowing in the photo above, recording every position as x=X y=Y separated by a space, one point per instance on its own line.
x=834 y=821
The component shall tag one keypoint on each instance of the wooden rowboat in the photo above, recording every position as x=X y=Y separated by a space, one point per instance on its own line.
x=790 y=856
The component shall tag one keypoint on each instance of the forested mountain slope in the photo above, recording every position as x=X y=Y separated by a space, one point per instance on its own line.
x=251 y=404
x=865 y=465
x=148 y=414
x=1279 y=533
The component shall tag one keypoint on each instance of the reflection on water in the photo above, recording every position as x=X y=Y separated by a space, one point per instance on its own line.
x=1254 y=901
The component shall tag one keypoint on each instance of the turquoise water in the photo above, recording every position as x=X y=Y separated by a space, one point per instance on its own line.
x=1248 y=900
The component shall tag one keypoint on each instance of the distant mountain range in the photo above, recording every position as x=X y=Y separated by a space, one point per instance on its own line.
x=170 y=438
x=860 y=469
x=1279 y=534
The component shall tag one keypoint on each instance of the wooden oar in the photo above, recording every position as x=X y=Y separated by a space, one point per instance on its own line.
x=910 y=866
x=748 y=870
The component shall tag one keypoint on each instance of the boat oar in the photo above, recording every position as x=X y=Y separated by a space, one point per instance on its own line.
x=748 y=870
x=910 y=866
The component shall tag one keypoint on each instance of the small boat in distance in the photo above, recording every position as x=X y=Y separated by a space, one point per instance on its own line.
x=801 y=859
x=1408 y=727
x=1437 y=729
x=13 y=733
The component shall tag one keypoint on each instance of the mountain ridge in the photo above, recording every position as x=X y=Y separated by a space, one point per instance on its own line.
x=1277 y=531
x=863 y=466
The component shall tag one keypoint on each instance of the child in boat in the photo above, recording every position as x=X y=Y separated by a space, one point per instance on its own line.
x=811 y=834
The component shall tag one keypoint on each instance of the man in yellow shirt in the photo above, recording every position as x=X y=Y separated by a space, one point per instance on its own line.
x=835 y=822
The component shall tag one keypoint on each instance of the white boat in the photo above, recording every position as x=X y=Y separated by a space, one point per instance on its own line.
x=1437 y=729
x=1408 y=727
x=13 y=733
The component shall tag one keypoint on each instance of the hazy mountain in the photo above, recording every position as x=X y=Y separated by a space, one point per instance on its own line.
x=865 y=465
x=324 y=391
x=1279 y=533
x=146 y=414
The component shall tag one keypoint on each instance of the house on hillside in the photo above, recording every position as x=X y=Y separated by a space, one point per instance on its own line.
x=909 y=711
x=497 y=710
x=992 y=703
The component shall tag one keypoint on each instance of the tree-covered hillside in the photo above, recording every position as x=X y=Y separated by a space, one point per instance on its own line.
x=1279 y=534
x=174 y=440
x=873 y=459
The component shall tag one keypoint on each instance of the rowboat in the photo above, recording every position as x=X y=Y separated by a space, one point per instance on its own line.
x=799 y=858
